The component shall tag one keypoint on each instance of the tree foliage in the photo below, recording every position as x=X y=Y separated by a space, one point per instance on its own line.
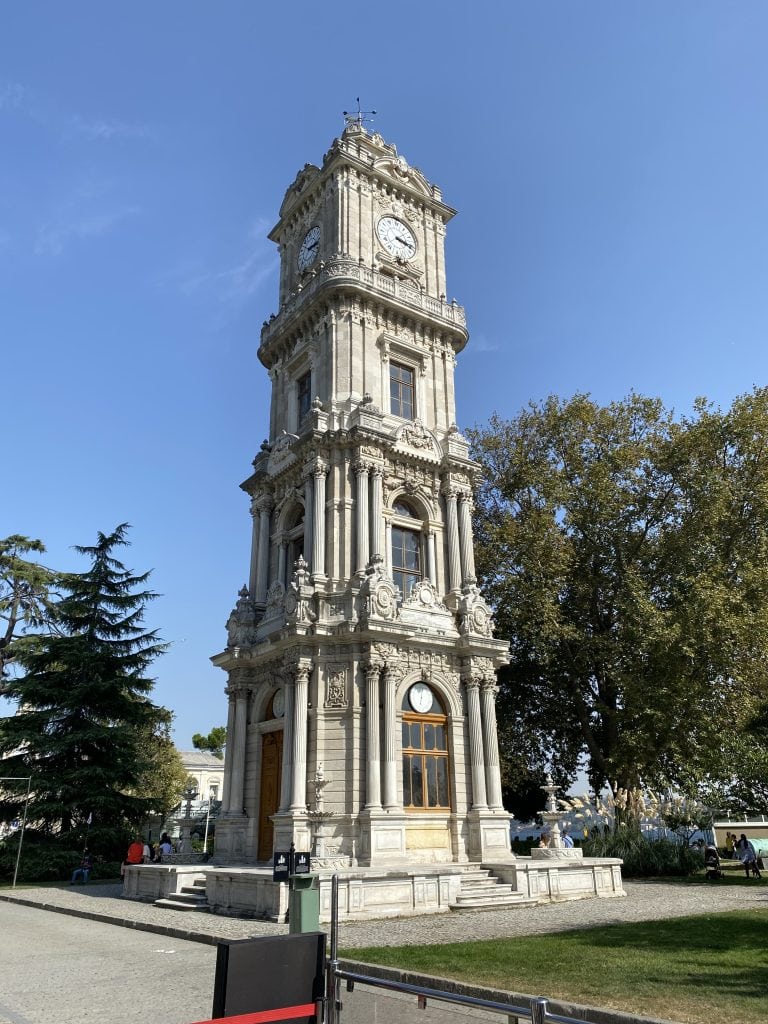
x=625 y=553
x=25 y=596
x=214 y=742
x=82 y=700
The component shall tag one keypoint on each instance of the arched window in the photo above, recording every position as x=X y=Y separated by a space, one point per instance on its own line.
x=407 y=560
x=425 y=751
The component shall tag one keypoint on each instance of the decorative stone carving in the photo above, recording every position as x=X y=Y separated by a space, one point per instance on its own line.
x=281 y=455
x=301 y=597
x=275 y=601
x=424 y=595
x=241 y=624
x=378 y=594
x=336 y=686
x=473 y=614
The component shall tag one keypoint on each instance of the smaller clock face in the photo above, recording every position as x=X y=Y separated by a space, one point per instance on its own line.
x=396 y=237
x=420 y=698
x=278 y=704
x=309 y=248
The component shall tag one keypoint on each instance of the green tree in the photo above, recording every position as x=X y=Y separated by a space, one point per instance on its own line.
x=83 y=704
x=163 y=780
x=25 y=597
x=625 y=554
x=214 y=742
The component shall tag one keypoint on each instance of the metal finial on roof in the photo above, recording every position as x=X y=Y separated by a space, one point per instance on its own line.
x=358 y=117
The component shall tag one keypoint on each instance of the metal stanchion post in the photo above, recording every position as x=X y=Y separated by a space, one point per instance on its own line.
x=538 y=1011
x=332 y=1003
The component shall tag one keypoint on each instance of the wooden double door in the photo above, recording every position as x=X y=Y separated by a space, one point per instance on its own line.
x=269 y=793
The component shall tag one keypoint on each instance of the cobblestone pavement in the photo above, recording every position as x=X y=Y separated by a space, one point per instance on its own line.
x=645 y=901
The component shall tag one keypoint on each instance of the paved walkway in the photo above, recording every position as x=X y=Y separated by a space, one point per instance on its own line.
x=645 y=901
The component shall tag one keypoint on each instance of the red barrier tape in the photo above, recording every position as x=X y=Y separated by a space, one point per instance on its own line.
x=264 y=1016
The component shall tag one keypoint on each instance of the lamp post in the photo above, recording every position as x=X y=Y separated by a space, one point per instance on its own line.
x=185 y=846
x=207 y=821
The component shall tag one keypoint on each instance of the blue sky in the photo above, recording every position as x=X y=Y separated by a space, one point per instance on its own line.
x=608 y=161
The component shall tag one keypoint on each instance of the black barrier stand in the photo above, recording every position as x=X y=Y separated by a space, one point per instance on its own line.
x=271 y=975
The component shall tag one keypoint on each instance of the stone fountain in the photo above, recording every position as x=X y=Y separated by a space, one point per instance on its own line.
x=318 y=818
x=552 y=840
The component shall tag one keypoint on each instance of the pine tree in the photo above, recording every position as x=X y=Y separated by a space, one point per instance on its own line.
x=83 y=706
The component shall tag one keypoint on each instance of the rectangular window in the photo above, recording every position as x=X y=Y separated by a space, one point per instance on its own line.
x=304 y=388
x=401 y=393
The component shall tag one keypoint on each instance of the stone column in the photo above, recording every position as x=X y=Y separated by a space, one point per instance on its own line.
x=479 y=801
x=286 y=779
x=431 y=561
x=309 y=486
x=318 y=521
x=282 y=552
x=299 y=740
x=372 y=741
x=390 y=744
x=361 y=518
x=491 y=744
x=237 y=778
x=465 y=535
x=262 y=565
x=388 y=547
x=454 y=555
x=254 y=548
x=230 y=746
x=377 y=503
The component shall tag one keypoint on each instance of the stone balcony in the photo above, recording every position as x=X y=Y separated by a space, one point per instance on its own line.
x=343 y=271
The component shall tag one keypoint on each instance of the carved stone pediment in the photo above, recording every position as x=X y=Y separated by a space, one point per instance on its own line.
x=423 y=607
x=423 y=595
x=241 y=624
x=415 y=437
x=281 y=455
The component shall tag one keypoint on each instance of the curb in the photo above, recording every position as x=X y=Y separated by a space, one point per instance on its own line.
x=121 y=922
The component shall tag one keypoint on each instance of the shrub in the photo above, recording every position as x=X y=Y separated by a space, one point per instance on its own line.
x=643 y=858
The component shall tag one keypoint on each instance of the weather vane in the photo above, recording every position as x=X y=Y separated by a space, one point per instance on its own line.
x=358 y=117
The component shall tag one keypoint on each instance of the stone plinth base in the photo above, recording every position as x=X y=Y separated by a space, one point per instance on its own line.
x=150 y=882
x=367 y=893
x=556 y=879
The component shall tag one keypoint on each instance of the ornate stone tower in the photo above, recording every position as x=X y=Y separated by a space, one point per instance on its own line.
x=360 y=658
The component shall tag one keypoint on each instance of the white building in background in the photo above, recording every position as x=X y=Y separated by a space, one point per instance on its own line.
x=207 y=770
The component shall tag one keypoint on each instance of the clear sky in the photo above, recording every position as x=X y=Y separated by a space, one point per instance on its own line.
x=609 y=165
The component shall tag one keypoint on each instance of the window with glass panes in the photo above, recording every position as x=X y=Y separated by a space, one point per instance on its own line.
x=401 y=391
x=425 y=759
x=406 y=549
x=304 y=387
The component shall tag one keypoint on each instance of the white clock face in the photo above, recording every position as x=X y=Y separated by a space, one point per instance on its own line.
x=396 y=237
x=420 y=698
x=278 y=704
x=309 y=248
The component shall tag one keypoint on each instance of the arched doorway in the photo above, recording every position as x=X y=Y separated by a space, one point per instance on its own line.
x=269 y=790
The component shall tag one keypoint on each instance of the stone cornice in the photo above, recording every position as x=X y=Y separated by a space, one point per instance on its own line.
x=341 y=272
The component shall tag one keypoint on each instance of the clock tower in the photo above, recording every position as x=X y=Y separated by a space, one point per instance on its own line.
x=361 y=660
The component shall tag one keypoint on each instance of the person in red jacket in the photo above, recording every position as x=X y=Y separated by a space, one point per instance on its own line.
x=135 y=854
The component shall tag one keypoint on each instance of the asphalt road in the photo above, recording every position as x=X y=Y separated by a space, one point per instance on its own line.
x=56 y=969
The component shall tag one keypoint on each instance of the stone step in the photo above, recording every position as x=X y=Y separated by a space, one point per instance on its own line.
x=183 y=901
x=500 y=902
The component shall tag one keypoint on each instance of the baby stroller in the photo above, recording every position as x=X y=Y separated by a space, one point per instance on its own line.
x=712 y=863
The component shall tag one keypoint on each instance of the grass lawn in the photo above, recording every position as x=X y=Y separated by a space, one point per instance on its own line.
x=696 y=970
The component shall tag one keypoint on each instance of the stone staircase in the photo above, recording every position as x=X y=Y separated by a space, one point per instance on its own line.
x=191 y=897
x=482 y=890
